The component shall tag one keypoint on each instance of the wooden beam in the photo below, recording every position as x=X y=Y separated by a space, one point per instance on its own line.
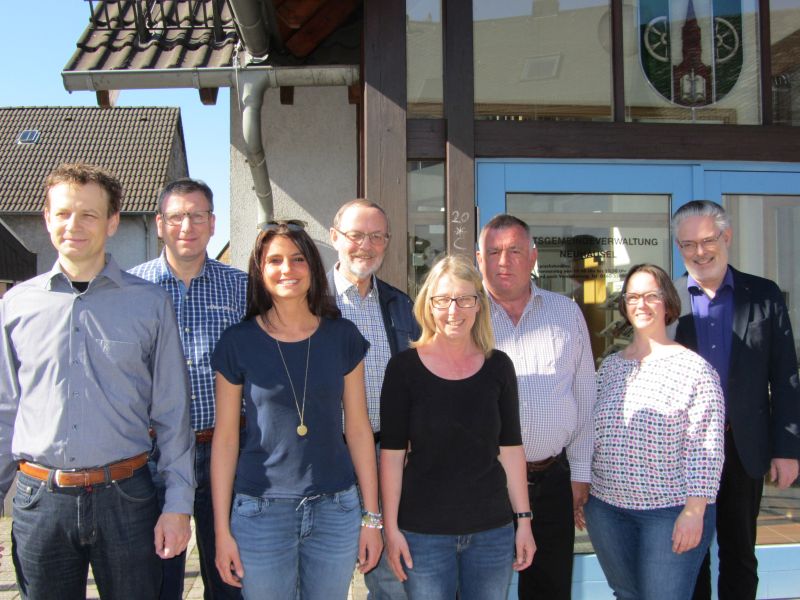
x=208 y=96
x=107 y=98
x=354 y=94
x=425 y=139
x=287 y=95
x=767 y=118
x=323 y=23
x=617 y=62
x=295 y=13
x=459 y=119
x=383 y=168
x=647 y=141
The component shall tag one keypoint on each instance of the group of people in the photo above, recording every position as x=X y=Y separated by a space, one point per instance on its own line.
x=313 y=422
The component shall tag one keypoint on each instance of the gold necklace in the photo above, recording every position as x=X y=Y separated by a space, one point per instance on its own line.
x=301 y=411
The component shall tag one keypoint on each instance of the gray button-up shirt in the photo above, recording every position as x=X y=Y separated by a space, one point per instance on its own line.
x=83 y=375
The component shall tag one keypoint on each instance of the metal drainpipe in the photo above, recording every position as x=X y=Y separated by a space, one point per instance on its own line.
x=251 y=89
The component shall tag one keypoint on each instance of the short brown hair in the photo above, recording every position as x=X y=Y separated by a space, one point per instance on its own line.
x=672 y=303
x=82 y=174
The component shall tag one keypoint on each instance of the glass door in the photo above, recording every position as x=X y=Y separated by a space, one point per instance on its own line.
x=592 y=221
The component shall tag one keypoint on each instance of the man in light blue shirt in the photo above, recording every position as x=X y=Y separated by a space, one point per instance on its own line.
x=208 y=297
x=89 y=358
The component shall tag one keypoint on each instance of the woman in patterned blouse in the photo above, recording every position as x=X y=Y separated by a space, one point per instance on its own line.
x=658 y=451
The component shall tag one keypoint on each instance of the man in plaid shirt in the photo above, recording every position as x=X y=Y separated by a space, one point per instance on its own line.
x=208 y=297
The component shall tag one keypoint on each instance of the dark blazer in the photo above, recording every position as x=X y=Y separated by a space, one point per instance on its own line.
x=398 y=316
x=762 y=401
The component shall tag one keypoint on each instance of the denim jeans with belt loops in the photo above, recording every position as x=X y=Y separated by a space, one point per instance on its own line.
x=478 y=565
x=303 y=548
x=57 y=533
x=634 y=548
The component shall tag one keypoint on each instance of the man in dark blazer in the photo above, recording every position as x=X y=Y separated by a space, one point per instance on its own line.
x=740 y=324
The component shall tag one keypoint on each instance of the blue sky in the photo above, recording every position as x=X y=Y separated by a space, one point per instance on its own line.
x=31 y=72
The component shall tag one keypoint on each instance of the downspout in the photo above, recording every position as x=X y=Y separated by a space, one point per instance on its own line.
x=251 y=88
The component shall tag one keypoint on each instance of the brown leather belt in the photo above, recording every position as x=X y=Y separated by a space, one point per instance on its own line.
x=538 y=466
x=117 y=471
x=204 y=436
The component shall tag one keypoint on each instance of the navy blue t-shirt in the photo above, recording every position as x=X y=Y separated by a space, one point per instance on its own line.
x=275 y=461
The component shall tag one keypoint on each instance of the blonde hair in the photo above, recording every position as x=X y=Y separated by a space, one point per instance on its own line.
x=461 y=268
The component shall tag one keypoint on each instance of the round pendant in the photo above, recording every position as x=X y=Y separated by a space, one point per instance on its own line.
x=302 y=430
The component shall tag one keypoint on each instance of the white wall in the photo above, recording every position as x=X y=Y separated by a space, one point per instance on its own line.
x=133 y=243
x=312 y=160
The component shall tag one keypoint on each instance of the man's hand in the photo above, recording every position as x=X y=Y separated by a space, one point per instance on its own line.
x=784 y=471
x=580 y=495
x=172 y=534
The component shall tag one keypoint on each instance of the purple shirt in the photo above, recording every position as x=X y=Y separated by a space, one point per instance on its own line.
x=713 y=323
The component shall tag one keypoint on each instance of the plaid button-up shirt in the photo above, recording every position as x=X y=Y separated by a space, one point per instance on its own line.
x=215 y=299
x=555 y=376
x=366 y=314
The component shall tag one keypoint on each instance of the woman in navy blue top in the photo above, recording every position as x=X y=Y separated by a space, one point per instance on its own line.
x=295 y=525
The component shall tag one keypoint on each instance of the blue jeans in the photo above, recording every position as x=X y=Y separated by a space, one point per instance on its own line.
x=174 y=568
x=57 y=533
x=477 y=566
x=302 y=548
x=634 y=548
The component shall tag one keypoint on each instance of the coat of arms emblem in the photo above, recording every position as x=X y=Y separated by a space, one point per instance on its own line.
x=701 y=64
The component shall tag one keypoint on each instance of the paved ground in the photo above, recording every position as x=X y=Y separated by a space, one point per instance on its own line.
x=193 y=584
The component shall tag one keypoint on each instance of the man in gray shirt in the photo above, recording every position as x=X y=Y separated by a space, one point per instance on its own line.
x=89 y=357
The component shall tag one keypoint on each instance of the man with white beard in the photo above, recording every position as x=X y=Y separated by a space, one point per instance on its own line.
x=382 y=313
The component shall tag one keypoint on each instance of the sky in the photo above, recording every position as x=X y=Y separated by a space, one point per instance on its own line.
x=31 y=76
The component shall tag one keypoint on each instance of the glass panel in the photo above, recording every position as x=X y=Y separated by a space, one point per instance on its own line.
x=542 y=59
x=784 y=26
x=691 y=61
x=765 y=243
x=424 y=58
x=426 y=220
x=587 y=242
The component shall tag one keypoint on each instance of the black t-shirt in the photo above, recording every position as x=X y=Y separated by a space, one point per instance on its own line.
x=453 y=483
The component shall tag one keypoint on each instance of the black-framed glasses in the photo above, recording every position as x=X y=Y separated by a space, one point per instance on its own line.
x=632 y=299
x=377 y=238
x=198 y=217
x=469 y=301
x=288 y=224
x=710 y=243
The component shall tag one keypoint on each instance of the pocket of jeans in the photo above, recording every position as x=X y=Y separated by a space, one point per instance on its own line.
x=135 y=489
x=27 y=496
x=248 y=506
x=347 y=500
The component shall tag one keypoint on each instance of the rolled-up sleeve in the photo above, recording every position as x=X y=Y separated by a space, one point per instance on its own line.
x=169 y=414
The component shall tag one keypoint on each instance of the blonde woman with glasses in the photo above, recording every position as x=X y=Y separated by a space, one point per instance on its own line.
x=452 y=464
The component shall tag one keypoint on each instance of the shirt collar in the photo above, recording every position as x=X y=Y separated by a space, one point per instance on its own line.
x=165 y=273
x=110 y=271
x=695 y=288
x=535 y=293
x=344 y=285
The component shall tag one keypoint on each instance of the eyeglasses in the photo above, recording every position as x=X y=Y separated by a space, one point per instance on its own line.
x=653 y=297
x=461 y=301
x=288 y=224
x=195 y=218
x=357 y=237
x=709 y=244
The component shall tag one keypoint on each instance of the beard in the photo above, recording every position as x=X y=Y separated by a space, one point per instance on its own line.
x=359 y=269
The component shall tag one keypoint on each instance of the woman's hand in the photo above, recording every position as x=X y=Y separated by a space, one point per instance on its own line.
x=228 y=562
x=524 y=545
x=397 y=548
x=689 y=526
x=370 y=544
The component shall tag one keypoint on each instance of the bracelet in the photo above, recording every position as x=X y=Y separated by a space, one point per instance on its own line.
x=523 y=515
x=371 y=520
